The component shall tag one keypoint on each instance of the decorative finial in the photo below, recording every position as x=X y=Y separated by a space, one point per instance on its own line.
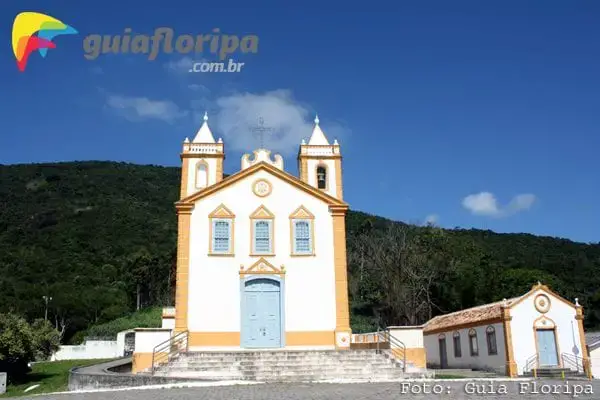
x=539 y=283
x=205 y=116
x=317 y=119
x=577 y=302
x=303 y=141
x=335 y=142
x=220 y=140
x=187 y=140
x=505 y=302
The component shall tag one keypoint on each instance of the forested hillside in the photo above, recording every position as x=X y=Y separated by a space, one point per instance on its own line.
x=100 y=238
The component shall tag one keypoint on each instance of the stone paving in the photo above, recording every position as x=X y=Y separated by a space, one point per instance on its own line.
x=436 y=389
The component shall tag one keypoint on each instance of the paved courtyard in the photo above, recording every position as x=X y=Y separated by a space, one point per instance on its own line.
x=543 y=389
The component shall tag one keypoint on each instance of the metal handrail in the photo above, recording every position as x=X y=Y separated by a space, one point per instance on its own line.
x=573 y=360
x=532 y=364
x=393 y=342
x=167 y=350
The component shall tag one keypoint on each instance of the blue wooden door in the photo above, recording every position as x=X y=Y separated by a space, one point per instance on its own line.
x=261 y=314
x=547 y=347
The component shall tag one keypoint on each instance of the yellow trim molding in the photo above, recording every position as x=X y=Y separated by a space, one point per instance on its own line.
x=184 y=178
x=546 y=289
x=542 y=303
x=263 y=166
x=338 y=179
x=262 y=190
x=221 y=212
x=184 y=215
x=584 y=350
x=201 y=155
x=511 y=365
x=214 y=339
x=416 y=355
x=301 y=213
x=143 y=361
x=262 y=267
x=219 y=177
x=303 y=167
x=341 y=274
x=233 y=339
x=262 y=212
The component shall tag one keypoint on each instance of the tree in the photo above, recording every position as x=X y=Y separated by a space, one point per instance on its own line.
x=17 y=345
x=46 y=339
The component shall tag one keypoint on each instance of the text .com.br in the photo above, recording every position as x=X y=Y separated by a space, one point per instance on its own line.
x=209 y=66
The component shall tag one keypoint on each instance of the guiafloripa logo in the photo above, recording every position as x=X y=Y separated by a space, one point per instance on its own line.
x=34 y=31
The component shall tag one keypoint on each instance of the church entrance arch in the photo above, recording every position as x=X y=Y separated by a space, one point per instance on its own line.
x=262 y=312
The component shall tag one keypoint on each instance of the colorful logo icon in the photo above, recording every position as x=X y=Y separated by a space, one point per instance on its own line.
x=34 y=31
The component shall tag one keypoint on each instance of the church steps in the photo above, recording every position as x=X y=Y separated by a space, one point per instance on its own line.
x=276 y=368
x=287 y=366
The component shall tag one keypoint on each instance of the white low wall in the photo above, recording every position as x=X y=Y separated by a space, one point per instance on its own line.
x=147 y=338
x=92 y=349
x=411 y=336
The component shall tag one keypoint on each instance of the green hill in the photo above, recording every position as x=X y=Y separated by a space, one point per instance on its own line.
x=100 y=238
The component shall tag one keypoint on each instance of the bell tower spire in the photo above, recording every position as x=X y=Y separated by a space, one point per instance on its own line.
x=201 y=161
x=320 y=163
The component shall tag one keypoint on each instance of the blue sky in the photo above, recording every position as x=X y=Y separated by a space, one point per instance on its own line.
x=469 y=113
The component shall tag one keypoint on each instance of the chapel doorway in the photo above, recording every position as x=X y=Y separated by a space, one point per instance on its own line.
x=546 y=343
x=443 y=353
x=261 y=314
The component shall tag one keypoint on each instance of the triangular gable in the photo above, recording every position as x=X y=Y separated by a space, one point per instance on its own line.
x=301 y=213
x=543 y=288
x=262 y=212
x=262 y=266
x=221 y=212
x=292 y=180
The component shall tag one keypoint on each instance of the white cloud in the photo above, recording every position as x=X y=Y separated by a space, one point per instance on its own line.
x=182 y=65
x=143 y=108
x=288 y=120
x=196 y=87
x=486 y=204
x=432 y=219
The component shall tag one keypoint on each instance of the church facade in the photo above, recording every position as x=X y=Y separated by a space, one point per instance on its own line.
x=261 y=254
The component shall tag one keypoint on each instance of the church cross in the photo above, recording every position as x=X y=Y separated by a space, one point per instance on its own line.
x=261 y=129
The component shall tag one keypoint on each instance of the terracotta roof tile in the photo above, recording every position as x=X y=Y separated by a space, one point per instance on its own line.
x=470 y=315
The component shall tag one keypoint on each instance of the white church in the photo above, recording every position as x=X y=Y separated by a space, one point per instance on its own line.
x=261 y=254
x=261 y=257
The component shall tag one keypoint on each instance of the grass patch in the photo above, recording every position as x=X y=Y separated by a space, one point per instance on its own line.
x=448 y=376
x=52 y=376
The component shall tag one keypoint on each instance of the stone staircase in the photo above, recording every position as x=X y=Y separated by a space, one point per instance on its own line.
x=289 y=366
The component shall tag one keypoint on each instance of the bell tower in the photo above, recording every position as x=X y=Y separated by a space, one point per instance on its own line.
x=320 y=163
x=201 y=161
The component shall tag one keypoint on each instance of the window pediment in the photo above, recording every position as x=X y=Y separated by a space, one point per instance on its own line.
x=222 y=212
x=262 y=212
x=301 y=213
